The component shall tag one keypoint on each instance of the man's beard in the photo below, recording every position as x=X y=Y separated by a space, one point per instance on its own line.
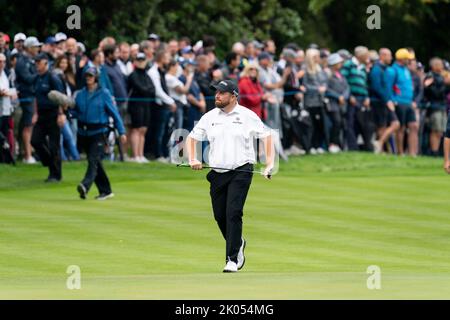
x=221 y=104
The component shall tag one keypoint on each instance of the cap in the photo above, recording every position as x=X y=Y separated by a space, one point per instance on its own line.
x=226 y=86
x=344 y=53
x=81 y=47
x=402 y=54
x=20 y=37
x=183 y=62
x=41 y=56
x=334 y=58
x=289 y=53
x=6 y=38
x=60 y=36
x=264 y=55
x=257 y=44
x=50 y=40
x=153 y=36
x=187 y=49
x=32 y=42
x=91 y=71
x=141 y=56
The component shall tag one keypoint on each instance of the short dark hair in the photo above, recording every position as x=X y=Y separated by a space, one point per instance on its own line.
x=94 y=53
x=230 y=57
x=109 y=49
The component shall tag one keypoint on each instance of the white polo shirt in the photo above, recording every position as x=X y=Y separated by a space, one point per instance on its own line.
x=231 y=136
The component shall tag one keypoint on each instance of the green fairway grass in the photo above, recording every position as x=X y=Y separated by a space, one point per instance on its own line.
x=312 y=232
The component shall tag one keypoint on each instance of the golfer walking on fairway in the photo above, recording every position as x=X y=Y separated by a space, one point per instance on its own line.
x=230 y=129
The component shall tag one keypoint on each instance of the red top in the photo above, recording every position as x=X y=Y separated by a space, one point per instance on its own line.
x=251 y=93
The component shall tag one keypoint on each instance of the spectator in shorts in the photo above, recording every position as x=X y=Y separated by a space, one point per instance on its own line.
x=7 y=94
x=26 y=75
x=400 y=92
x=435 y=93
x=385 y=119
x=141 y=101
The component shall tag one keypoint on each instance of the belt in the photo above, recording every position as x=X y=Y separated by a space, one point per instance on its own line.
x=91 y=126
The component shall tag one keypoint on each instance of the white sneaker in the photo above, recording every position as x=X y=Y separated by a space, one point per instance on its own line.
x=104 y=196
x=30 y=160
x=296 y=151
x=241 y=256
x=144 y=160
x=313 y=151
x=378 y=148
x=136 y=160
x=334 y=149
x=230 y=267
x=162 y=160
x=320 y=151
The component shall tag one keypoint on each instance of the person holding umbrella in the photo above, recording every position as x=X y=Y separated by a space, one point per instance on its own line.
x=230 y=129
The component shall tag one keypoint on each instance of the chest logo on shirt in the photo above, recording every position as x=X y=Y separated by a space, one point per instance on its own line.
x=237 y=120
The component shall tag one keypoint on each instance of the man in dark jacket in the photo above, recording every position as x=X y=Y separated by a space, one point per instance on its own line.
x=50 y=117
x=25 y=78
x=93 y=107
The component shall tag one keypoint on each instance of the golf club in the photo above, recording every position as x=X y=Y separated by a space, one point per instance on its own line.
x=185 y=165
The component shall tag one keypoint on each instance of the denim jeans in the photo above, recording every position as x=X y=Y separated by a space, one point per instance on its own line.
x=67 y=139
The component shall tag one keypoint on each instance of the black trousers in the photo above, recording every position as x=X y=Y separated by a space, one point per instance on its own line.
x=228 y=193
x=46 y=142
x=317 y=116
x=359 y=120
x=94 y=146
x=336 y=127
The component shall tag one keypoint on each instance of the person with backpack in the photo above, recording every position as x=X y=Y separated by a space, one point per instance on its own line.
x=48 y=119
x=400 y=95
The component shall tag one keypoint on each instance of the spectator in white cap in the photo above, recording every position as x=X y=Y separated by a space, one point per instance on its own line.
x=61 y=38
x=153 y=37
x=19 y=39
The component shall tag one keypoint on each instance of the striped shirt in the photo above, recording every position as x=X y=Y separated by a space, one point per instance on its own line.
x=356 y=76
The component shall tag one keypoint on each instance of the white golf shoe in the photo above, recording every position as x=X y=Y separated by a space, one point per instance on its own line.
x=241 y=255
x=230 y=267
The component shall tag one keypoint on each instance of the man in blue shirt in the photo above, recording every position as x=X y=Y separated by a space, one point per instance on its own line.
x=49 y=118
x=401 y=94
x=385 y=118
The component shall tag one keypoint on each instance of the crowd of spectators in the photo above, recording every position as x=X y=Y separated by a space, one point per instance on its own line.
x=319 y=101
